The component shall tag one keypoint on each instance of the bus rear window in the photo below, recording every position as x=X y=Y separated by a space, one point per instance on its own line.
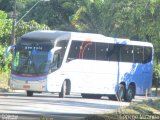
x=147 y=54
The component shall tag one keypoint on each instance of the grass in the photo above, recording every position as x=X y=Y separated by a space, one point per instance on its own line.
x=144 y=109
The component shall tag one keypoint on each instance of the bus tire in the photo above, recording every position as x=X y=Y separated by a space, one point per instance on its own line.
x=130 y=93
x=29 y=93
x=68 y=89
x=121 y=92
x=63 y=90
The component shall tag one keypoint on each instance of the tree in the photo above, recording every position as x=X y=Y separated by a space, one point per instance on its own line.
x=54 y=13
x=88 y=17
x=5 y=28
x=24 y=27
x=4 y=64
x=6 y=5
x=133 y=19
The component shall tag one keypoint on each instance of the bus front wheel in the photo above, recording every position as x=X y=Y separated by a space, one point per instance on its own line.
x=130 y=92
x=63 y=90
x=121 y=92
x=29 y=93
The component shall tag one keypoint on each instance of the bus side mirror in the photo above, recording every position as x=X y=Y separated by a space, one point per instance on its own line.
x=9 y=49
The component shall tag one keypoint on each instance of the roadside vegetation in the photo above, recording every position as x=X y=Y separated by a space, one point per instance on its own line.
x=146 y=109
x=4 y=82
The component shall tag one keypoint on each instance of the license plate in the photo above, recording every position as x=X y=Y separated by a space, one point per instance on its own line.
x=26 y=86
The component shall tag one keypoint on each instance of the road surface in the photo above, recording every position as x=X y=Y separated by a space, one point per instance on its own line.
x=47 y=104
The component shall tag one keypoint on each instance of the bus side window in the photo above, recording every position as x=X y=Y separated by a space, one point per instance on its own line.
x=74 y=50
x=126 y=53
x=138 y=54
x=102 y=51
x=147 y=54
x=113 y=52
x=63 y=44
x=88 y=51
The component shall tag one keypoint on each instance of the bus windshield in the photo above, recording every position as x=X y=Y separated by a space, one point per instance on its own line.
x=30 y=62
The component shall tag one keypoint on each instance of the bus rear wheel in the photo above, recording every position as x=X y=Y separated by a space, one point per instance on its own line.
x=130 y=93
x=29 y=93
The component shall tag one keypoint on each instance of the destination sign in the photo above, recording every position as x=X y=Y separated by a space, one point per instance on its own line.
x=32 y=47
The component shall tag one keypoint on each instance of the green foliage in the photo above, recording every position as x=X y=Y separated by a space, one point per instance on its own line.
x=5 y=28
x=2 y=22
x=55 y=13
x=24 y=27
x=6 y=5
x=88 y=17
x=156 y=75
x=4 y=63
x=134 y=19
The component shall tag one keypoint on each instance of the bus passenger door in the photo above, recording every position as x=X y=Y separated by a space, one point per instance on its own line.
x=72 y=67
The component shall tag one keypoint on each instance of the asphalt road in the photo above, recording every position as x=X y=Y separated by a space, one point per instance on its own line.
x=19 y=106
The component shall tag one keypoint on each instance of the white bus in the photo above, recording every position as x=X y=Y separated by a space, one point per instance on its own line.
x=72 y=62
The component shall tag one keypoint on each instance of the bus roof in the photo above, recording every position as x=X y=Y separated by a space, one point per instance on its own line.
x=53 y=35
x=46 y=35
